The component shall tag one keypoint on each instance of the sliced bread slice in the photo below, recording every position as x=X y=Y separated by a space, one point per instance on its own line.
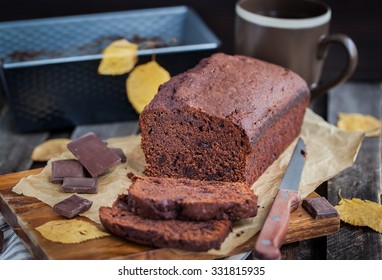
x=186 y=235
x=185 y=199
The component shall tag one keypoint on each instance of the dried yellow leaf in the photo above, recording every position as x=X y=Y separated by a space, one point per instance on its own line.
x=70 y=231
x=143 y=83
x=360 y=212
x=359 y=122
x=118 y=58
x=50 y=148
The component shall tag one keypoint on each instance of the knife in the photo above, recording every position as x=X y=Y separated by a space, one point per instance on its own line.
x=276 y=224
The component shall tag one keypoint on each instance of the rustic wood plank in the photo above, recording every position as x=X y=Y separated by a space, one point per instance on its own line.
x=362 y=180
x=13 y=178
x=312 y=249
x=16 y=148
x=290 y=251
x=28 y=212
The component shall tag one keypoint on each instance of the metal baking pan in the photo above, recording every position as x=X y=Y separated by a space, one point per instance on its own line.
x=48 y=69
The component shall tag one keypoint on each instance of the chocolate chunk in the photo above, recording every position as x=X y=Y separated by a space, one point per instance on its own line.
x=1 y=241
x=120 y=153
x=72 y=206
x=79 y=185
x=93 y=154
x=66 y=168
x=319 y=208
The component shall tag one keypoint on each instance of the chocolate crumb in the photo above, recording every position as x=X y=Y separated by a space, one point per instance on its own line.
x=131 y=176
x=239 y=233
x=304 y=153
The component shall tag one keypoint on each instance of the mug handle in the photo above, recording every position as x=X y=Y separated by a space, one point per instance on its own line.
x=351 y=63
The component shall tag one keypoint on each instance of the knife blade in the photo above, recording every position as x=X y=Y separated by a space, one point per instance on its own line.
x=275 y=227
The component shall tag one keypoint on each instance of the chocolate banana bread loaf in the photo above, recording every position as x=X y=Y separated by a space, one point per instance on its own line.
x=227 y=119
x=186 y=235
x=184 y=199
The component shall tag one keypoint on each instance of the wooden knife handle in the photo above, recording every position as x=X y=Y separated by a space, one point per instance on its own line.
x=276 y=225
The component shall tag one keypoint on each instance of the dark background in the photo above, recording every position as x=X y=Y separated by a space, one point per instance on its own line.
x=361 y=20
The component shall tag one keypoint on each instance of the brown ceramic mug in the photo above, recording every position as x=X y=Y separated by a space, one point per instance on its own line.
x=293 y=34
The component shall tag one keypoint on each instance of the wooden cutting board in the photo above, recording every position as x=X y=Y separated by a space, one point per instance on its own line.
x=24 y=213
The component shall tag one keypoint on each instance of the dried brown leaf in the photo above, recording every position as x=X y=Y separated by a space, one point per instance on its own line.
x=143 y=83
x=70 y=231
x=359 y=122
x=360 y=212
x=50 y=148
x=118 y=58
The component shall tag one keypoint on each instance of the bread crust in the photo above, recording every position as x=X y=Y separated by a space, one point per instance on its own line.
x=227 y=119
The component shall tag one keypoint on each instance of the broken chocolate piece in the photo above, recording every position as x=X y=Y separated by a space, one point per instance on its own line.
x=120 y=153
x=319 y=208
x=1 y=241
x=66 y=168
x=72 y=206
x=79 y=185
x=93 y=154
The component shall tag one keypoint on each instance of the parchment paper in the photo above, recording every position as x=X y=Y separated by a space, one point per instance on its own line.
x=330 y=150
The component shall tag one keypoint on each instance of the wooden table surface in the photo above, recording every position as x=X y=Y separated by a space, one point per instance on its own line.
x=362 y=180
